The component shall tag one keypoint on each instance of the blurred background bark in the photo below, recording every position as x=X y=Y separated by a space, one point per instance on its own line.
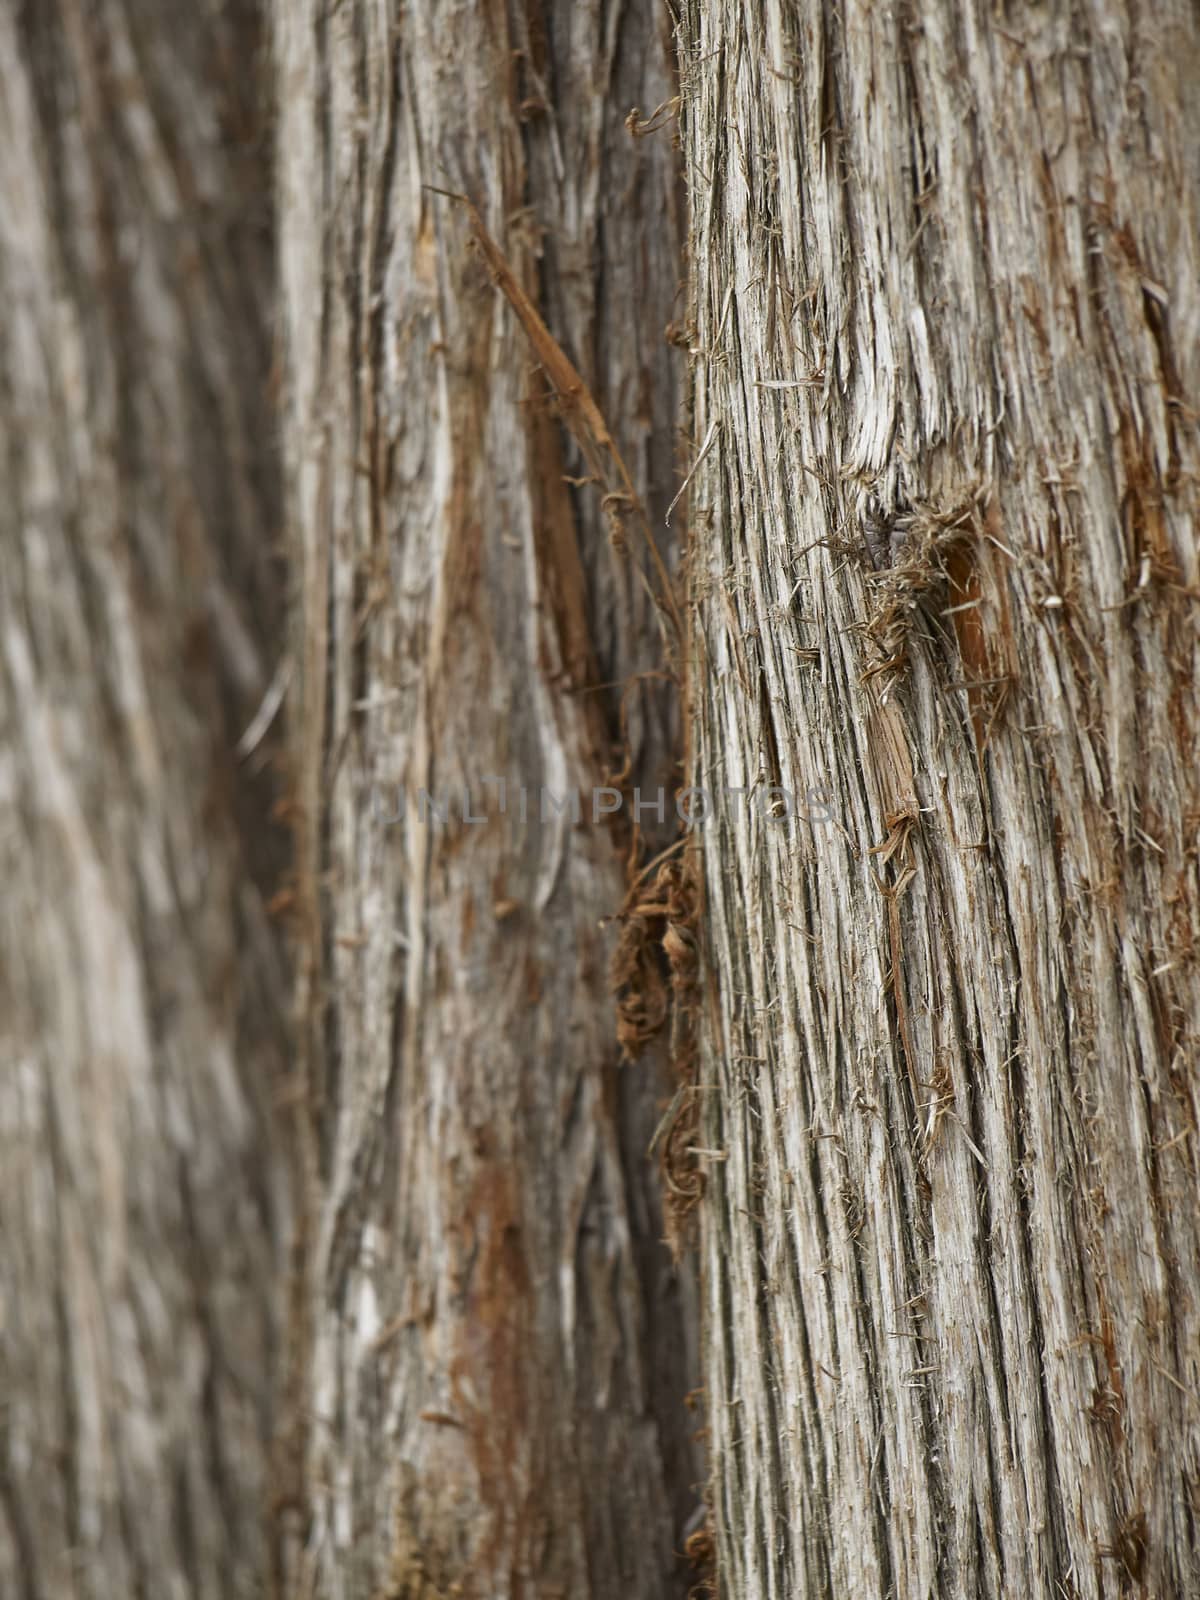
x=142 y=996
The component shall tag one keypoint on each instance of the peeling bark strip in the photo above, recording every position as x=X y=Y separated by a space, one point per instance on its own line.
x=141 y=996
x=947 y=299
x=578 y=410
x=489 y=1390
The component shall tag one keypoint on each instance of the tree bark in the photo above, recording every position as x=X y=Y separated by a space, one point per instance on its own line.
x=141 y=994
x=944 y=562
x=939 y=688
x=495 y=1346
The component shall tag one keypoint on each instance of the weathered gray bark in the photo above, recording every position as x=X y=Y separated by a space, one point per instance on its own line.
x=945 y=330
x=140 y=994
x=489 y=1382
x=947 y=307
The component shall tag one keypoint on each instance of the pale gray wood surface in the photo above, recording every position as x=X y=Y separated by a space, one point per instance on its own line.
x=947 y=300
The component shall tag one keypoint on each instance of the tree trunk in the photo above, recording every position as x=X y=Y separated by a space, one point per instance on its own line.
x=939 y=688
x=947 y=299
x=495 y=1345
x=141 y=993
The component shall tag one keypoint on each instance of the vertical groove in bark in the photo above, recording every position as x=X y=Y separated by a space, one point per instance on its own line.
x=495 y=1349
x=140 y=999
x=948 y=299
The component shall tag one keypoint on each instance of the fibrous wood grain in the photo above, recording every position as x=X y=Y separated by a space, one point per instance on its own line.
x=947 y=301
x=489 y=1395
